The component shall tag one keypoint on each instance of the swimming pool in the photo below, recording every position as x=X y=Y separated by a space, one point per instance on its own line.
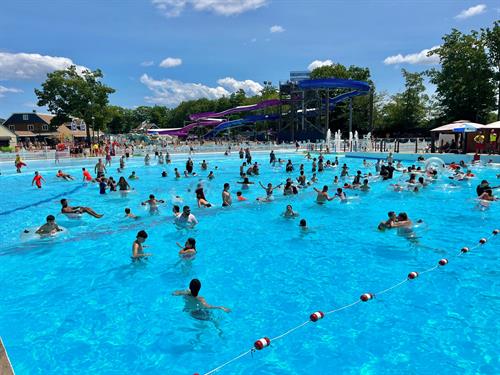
x=76 y=304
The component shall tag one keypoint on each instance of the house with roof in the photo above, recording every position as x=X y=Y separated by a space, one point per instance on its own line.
x=144 y=127
x=31 y=126
x=7 y=137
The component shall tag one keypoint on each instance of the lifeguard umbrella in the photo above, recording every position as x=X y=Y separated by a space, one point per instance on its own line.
x=493 y=125
x=461 y=126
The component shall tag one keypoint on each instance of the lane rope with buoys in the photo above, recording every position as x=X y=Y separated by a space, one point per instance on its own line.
x=316 y=316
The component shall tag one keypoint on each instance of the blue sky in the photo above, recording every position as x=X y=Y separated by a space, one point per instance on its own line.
x=213 y=47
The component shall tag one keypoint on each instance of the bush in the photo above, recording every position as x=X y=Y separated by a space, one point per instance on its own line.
x=6 y=149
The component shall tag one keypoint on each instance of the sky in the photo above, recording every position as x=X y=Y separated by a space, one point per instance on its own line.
x=161 y=52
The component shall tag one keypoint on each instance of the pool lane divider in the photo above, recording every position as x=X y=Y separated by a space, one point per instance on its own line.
x=265 y=341
x=42 y=201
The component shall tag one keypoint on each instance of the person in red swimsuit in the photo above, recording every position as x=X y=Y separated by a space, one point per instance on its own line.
x=37 y=180
x=86 y=175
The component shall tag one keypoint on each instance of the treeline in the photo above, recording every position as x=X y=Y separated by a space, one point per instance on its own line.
x=467 y=87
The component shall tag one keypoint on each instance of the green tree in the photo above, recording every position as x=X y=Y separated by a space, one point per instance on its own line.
x=80 y=94
x=491 y=38
x=464 y=84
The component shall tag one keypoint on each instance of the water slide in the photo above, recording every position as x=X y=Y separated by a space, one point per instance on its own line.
x=241 y=122
x=241 y=108
x=182 y=132
x=207 y=119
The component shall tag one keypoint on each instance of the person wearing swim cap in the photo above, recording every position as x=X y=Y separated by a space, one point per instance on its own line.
x=194 y=303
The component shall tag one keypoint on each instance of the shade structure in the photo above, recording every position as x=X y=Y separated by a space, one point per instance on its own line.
x=493 y=125
x=461 y=126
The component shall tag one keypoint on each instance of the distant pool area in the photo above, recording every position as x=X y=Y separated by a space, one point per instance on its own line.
x=76 y=304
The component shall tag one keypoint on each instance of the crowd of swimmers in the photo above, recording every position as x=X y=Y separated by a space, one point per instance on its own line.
x=412 y=178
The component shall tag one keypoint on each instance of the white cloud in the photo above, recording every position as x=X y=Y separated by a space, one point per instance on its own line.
x=170 y=62
x=277 y=29
x=173 y=8
x=31 y=65
x=253 y=40
x=318 y=63
x=472 y=11
x=250 y=87
x=4 y=90
x=171 y=93
x=147 y=63
x=419 y=58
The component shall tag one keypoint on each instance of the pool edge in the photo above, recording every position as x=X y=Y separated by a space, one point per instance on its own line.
x=5 y=365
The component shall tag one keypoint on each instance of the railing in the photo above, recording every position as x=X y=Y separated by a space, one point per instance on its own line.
x=395 y=145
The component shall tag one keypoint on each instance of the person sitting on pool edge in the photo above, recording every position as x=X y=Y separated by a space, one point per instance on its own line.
x=138 y=247
x=50 y=227
x=66 y=209
x=196 y=304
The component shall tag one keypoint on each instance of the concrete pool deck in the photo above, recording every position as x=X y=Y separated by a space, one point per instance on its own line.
x=5 y=365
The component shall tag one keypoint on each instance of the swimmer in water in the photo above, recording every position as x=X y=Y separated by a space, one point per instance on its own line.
x=66 y=209
x=129 y=214
x=322 y=196
x=204 y=165
x=153 y=204
x=245 y=184
x=336 y=180
x=402 y=220
x=147 y=159
x=186 y=218
x=133 y=176
x=269 y=192
x=189 y=248
x=388 y=223
x=365 y=186
x=64 y=176
x=226 y=196
x=176 y=210
x=86 y=176
x=164 y=174
x=38 y=180
x=195 y=304
x=303 y=225
x=211 y=175
x=177 y=174
x=138 y=247
x=200 y=197
x=240 y=197
x=341 y=195
x=50 y=227
x=289 y=212
x=123 y=184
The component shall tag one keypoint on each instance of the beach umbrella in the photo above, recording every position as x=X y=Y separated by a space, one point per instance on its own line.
x=493 y=125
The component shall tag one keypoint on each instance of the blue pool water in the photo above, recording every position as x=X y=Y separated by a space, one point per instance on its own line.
x=75 y=304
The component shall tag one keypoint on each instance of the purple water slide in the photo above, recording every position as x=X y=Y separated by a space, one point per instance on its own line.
x=185 y=130
x=242 y=108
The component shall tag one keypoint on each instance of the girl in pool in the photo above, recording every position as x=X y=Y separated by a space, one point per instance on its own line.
x=189 y=248
x=269 y=192
x=138 y=247
x=200 y=197
x=38 y=180
x=289 y=212
x=123 y=184
x=245 y=184
x=195 y=304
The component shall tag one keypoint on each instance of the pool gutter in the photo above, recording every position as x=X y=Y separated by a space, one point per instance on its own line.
x=5 y=365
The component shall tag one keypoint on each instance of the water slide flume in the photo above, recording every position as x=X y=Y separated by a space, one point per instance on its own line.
x=241 y=108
